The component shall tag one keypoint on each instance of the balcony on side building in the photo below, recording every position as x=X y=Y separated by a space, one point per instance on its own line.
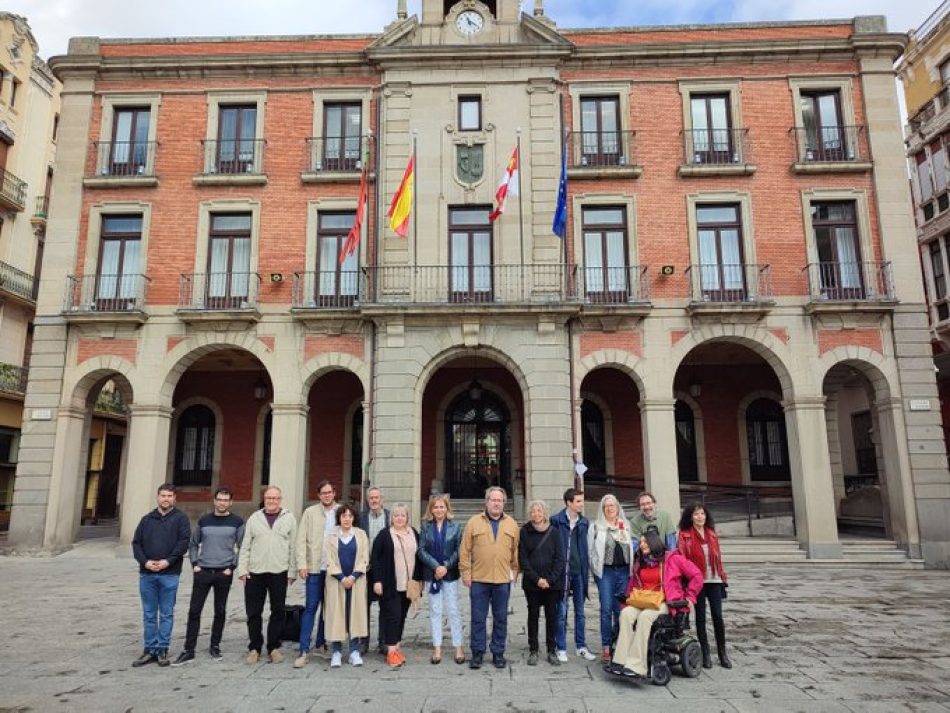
x=831 y=149
x=18 y=286
x=602 y=154
x=232 y=162
x=850 y=287
x=219 y=297
x=729 y=289
x=12 y=191
x=123 y=163
x=340 y=159
x=106 y=298
x=716 y=152
x=40 y=213
x=13 y=379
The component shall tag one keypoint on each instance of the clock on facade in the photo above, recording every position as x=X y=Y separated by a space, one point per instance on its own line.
x=469 y=22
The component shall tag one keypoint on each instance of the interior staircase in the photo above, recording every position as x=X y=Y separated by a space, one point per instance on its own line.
x=778 y=551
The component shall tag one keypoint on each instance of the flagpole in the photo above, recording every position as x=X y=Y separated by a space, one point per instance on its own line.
x=415 y=204
x=520 y=211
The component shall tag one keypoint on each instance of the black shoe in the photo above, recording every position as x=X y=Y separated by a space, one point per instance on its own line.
x=499 y=660
x=163 y=658
x=215 y=653
x=552 y=658
x=615 y=668
x=707 y=659
x=723 y=658
x=629 y=673
x=382 y=649
x=183 y=658
x=147 y=657
x=533 y=658
x=476 y=661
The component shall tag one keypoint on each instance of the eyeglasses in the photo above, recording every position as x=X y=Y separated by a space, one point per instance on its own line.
x=326 y=492
x=222 y=500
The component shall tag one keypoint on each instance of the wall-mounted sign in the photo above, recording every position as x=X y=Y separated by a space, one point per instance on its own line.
x=41 y=414
x=920 y=404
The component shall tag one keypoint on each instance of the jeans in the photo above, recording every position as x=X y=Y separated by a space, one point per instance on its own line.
x=612 y=584
x=158 y=592
x=448 y=598
x=576 y=594
x=547 y=599
x=256 y=589
x=315 y=586
x=204 y=582
x=482 y=596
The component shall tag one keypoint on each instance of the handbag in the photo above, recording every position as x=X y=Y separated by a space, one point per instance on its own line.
x=413 y=586
x=647 y=598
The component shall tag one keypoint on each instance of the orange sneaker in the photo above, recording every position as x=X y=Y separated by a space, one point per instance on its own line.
x=394 y=659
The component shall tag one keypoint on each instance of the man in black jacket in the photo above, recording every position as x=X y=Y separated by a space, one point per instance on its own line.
x=159 y=544
x=373 y=520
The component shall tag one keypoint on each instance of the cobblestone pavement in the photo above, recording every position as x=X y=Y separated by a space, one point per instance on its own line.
x=801 y=639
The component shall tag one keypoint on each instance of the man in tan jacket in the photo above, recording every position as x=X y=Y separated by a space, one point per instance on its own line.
x=316 y=523
x=488 y=563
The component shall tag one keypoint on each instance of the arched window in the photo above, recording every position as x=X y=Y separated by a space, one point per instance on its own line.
x=687 y=461
x=477 y=438
x=768 y=442
x=594 y=446
x=194 y=451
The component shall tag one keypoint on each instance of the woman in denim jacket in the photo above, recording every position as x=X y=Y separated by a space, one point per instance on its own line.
x=439 y=544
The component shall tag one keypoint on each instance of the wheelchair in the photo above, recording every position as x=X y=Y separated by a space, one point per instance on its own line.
x=671 y=646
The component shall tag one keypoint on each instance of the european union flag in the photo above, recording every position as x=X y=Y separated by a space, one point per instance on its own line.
x=560 y=211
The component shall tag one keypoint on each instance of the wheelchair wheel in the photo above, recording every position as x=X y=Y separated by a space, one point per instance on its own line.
x=691 y=659
x=660 y=675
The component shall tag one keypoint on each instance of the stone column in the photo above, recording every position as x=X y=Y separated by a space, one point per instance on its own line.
x=146 y=464
x=67 y=484
x=812 y=489
x=899 y=489
x=659 y=453
x=288 y=454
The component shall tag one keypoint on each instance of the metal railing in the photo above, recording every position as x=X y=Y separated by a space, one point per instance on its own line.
x=13 y=378
x=219 y=291
x=125 y=158
x=612 y=285
x=600 y=149
x=827 y=144
x=105 y=293
x=716 y=147
x=17 y=282
x=338 y=153
x=12 y=188
x=729 y=284
x=850 y=281
x=41 y=211
x=233 y=157
x=329 y=290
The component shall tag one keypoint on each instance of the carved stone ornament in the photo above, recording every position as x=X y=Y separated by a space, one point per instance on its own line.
x=470 y=164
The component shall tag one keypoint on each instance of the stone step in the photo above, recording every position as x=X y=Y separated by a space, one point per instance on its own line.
x=856 y=553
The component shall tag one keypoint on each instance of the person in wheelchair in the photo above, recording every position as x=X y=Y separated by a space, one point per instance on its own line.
x=663 y=583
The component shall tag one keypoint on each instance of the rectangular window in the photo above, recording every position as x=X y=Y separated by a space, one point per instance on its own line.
x=229 y=260
x=600 y=131
x=128 y=154
x=342 y=125
x=117 y=279
x=939 y=279
x=825 y=138
x=924 y=177
x=55 y=127
x=470 y=113
x=722 y=272
x=606 y=275
x=938 y=165
x=14 y=93
x=337 y=284
x=9 y=448
x=470 y=255
x=840 y=273
x=712 y=131
x=237 y=143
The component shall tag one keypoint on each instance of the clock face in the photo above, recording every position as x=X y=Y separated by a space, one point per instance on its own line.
x=469 y=22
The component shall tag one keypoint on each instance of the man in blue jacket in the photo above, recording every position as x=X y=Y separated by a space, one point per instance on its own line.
x=159 y=544
x=572 y=526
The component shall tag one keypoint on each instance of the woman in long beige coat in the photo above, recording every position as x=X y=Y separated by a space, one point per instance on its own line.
x=347 y=555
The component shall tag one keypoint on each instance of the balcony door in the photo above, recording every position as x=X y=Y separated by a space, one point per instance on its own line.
x=341 y=132
x=712 y=134
x=470 y=255
x=337 y=283
x=721 y=269
x=839 y=253
x=229 y=260
x=600 y=132
x=605 y=255
x=478 y=444
x=237 y=132
x=129 y=154
x=824 y=133
x=119 y=249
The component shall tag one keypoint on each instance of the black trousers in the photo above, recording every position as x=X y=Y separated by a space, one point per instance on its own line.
x=257 y=588
x=713 y=593
x=381 y=640
x=204 y=582
x=548 y=599
x=392 y=617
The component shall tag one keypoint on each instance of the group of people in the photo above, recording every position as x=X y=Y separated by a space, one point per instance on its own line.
x=349 y=560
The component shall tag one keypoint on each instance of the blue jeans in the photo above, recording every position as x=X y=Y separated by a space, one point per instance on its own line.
x=315 y=585
x=482 y=595
x=578 y=591
x=612 y=584
x=158 y=592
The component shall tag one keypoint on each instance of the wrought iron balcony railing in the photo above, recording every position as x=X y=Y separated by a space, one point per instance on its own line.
x=338 y=153
x=600 y=149
x=125 y=159
x=13 y=379
x=105 y=293
x=716 y=147
x=219 y=291
x=12 y=190
x=850 y=281
x=17 y=282
x=828 y=144
x=729 y=284
x=41 y=211
x=233 y=157
x=612 y=285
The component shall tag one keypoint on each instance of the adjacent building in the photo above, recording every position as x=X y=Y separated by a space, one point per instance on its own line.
x=734 y=303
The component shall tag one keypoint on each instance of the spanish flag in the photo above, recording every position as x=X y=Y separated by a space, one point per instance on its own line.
x=400 y=209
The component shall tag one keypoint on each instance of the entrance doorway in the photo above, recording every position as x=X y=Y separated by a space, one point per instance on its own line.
x=477 y=445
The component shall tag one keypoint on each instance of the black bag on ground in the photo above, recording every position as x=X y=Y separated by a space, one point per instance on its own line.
x=291 y=628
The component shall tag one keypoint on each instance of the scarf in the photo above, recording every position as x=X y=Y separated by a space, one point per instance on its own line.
x=619 y=533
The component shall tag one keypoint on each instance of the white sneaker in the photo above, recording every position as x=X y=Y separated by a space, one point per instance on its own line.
x=336 y=660
x=585 y=654
x=562 y=656
x=355 y=658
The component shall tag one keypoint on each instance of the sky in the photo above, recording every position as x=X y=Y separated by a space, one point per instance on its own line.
x=55 y=21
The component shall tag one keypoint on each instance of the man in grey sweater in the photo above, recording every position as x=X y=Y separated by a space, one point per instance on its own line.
x=213 y=553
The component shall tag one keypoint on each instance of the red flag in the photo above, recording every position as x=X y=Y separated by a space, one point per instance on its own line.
x=353 y=237
x=507 y=185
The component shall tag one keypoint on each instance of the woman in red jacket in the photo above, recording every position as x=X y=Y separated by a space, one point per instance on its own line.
x=653 y=568
x=698 y=542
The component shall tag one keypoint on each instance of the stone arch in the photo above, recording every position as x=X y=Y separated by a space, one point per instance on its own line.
x=871 y=364
x=323 y=364
x=83 y=379
x=623 y=361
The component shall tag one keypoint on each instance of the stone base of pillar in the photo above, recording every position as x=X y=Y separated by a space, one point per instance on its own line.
x=823 y=550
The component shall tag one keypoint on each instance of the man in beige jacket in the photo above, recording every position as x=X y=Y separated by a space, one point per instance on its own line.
x=316 y=523
x=265 y=565
x=488 y=563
